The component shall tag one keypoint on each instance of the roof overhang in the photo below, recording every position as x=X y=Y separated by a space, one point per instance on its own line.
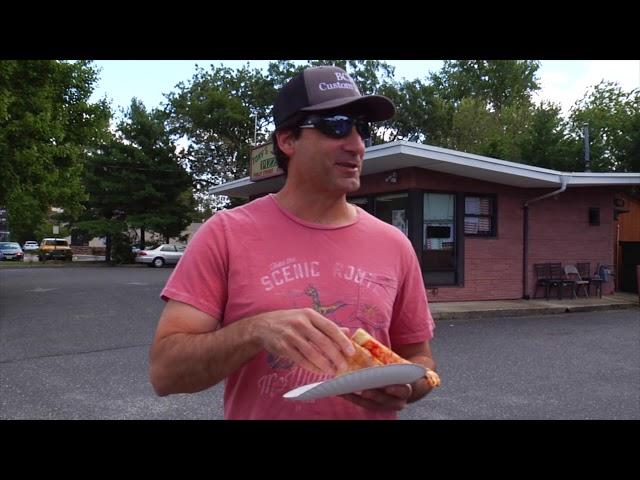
x=402 y=154
x=245 y=188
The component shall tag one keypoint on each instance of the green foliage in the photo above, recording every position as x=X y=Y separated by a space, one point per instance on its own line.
x=216 y=113
x=420 y=115
x=121 y=249
x=56 y=150
x=47 y=127
x=219 y=113
x=478 y=106
x=544 y=143
x=613 y=117
x=135 y=180
x=497 y=83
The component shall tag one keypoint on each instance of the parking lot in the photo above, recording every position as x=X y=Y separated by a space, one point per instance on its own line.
x=74 y=344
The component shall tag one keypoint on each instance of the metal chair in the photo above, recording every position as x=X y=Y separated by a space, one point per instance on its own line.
x=559 y=280
x=584 y=269
x=571 y=273
x=543 y=278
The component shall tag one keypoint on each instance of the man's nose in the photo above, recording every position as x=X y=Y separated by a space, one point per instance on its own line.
x=354 y=142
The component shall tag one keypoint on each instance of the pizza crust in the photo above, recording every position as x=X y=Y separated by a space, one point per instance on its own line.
x=385 y=356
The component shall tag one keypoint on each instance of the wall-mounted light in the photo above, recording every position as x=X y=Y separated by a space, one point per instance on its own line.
x=393 y=178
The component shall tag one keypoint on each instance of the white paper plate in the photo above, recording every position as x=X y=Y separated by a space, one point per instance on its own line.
x=364 y=379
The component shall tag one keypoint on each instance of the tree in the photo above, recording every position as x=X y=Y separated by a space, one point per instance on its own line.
x=485 y=107
x=420 y=115
x=545 y=143
x=497 y=83
x=216 y=113
x=613 y=117
x=135 y=180
x=222 y=113
x=47 y=128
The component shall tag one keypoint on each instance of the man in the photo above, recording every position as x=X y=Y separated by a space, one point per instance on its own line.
x=266 y=293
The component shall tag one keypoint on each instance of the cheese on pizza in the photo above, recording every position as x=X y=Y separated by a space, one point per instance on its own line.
x=385 y=355
x=377 y=349
x=361 y=359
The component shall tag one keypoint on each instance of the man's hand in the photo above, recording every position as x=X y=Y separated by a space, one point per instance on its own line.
x=391 y=397
x=306 y=337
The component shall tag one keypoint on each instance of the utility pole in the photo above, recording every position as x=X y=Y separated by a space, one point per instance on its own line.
x=255 y=130
x=587 y=163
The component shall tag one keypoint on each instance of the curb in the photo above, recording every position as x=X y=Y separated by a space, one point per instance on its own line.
x=75 y=264
x=479 y=314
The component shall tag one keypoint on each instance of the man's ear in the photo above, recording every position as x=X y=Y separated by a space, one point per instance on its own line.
x=286 y=142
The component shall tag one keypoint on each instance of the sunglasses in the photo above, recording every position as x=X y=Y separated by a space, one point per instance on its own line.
x=337 y=126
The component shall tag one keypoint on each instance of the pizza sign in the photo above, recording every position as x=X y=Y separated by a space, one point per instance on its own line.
x=263 y=163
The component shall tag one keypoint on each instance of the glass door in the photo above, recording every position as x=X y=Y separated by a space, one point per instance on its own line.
x=393 y=208
x=439 y=239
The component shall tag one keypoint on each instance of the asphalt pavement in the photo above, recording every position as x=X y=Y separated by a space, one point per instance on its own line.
x=74 y=344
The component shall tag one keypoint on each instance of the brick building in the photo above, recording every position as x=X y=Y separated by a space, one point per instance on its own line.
x=478 y=224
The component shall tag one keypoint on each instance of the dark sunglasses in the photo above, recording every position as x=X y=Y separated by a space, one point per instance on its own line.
x=337 y=126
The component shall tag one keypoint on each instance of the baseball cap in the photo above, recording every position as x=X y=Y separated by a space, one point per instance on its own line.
x=326 y=88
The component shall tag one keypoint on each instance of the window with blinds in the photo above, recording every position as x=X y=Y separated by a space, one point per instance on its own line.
x=479 y=216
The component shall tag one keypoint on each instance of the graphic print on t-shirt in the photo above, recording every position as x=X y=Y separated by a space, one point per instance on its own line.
x=346 y=294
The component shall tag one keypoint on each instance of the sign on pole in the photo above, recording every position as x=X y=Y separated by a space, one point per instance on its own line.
x=263 y=163
x=56 y=229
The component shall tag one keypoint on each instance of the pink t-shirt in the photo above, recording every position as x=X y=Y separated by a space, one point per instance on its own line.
x=258 y=258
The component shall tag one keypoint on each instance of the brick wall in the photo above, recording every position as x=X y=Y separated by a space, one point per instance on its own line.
x=87 y=250
x=559 y=231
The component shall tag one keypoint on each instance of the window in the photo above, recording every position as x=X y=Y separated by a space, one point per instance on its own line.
x=594 y=216
x=479 y=216
x=362 y=202
x=439 y=239
x=392 y=208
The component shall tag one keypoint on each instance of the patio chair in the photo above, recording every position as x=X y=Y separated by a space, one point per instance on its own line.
x=543 y=279
x=584 y=269
x=559 y=281
x=571 y=273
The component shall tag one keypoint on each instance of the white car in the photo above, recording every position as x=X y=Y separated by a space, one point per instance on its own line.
x=164 y=254
x=30 y=245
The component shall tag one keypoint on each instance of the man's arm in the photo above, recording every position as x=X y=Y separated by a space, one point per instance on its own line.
x=190 y=353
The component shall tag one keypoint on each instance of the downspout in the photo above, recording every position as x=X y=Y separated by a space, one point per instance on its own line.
x=525 y=232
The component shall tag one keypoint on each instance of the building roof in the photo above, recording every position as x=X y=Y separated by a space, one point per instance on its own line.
x=403 y=154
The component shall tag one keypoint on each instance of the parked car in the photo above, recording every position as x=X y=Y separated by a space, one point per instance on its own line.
x=30 y=245
x=159 y=256
x=55 y=248
x=11 y=251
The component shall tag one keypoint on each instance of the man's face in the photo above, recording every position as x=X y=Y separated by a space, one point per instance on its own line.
x=322 y=163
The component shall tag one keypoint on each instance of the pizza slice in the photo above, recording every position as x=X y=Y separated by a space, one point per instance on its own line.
x=361 y=359
x=385 y=355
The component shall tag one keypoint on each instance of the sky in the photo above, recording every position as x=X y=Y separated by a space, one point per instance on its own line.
x=562 y=81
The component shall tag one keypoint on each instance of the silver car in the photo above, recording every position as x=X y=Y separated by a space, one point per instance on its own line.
x=163 y=255
x=11 y=251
